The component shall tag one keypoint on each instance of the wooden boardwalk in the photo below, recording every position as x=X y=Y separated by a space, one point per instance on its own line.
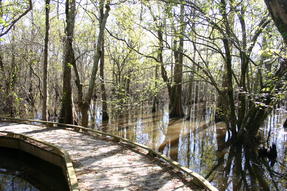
x=105 y=165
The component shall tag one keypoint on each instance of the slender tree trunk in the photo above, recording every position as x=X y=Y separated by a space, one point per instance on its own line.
x=160 y=60
x=230 y=114
x=223 y=106
x=155 y=98
x=97 y=56
x=105 y=116
x=163 y=71
x=10 y=88
x=1 y=56
x=31 y=96
x=45 y=66
x=66 y=115
x=189 y=96
x=258 y=84
x=244 y=70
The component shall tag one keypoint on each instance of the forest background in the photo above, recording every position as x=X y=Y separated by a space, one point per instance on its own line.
x=61 y=59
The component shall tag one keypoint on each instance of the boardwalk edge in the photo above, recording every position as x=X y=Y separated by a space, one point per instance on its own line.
x=30 y=145
x=195 y=176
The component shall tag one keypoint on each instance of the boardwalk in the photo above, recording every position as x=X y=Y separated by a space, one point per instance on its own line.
x=104 y=165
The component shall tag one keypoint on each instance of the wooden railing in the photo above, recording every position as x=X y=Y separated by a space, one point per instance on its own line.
x=195 y=177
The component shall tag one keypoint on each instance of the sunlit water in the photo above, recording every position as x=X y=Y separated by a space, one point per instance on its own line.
x=203 y=146
x=200 y=145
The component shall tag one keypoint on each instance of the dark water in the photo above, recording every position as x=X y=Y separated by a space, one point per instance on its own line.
x=20 y=171
x=205 y=147
x=10 y=180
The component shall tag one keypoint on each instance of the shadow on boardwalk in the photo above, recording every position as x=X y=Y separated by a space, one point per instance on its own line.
x=104 y=165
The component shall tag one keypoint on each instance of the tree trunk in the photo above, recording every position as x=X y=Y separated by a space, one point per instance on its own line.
x=105 y=116
x=45 y=66
x=189 y=97
x=85 y=114
x=1 y=56
x=66 y=115
x=229 y=111
x=84 y=102
x=277 y=9
x=10 y=87
x=97 y=56
x=160 y=60
x=155 y=98
x=176 y=109
x=222 y=106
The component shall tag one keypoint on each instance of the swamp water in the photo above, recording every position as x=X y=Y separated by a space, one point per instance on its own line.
x=20 y=171
x=204 y=146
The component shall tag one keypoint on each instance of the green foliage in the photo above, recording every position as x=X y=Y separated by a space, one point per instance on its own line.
x=269 y=52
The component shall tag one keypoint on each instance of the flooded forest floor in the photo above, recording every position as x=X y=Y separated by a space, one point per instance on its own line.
x=202 y=145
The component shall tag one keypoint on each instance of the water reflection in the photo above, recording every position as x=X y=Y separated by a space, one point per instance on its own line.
x=11 y=180
x=20 y=171
x=206 y=147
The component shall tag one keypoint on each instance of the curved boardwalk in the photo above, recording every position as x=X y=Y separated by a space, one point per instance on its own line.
x=104 y=165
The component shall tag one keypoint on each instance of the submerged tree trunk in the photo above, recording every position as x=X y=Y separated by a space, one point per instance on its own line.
x=45 y=64
x=66 y=115
x=97 y=56
x=277 y=9
x=230 y=113
x=84 y=102
x=163 y=72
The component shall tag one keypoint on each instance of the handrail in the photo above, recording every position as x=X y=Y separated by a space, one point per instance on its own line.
x=196 y=178
x=70 y=172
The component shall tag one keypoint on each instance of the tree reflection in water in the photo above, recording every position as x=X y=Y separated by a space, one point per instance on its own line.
x=241 y=168
x=20 y=171
x=208 y=149
x=10 y=181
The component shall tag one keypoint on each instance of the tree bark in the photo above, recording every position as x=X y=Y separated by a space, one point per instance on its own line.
x=176 y=110
x=1 y=56
x=84 y=101
x=277 y=9
x=11 y=81
x=155 y=101
x=105 y=116
x=66 y=115
x=45 y=64
x=159 y=58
